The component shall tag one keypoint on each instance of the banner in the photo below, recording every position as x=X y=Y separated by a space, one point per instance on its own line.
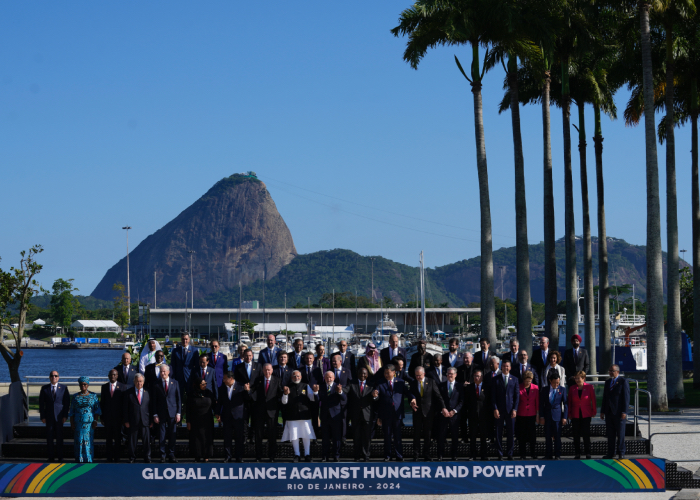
x=286 y=479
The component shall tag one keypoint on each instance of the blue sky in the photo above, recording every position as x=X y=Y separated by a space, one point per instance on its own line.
x=116 y=113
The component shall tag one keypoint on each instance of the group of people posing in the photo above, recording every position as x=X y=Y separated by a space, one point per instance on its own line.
x=476 y=397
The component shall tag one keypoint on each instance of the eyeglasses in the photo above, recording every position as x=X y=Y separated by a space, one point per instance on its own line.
x=52 y=376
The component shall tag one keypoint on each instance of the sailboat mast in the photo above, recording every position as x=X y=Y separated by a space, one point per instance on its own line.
x=422 y=296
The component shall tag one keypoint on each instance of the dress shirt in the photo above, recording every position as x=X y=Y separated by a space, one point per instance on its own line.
x=112 y=388
x=439 y=371
x=248 y=368
x=453 y=358
x=544 y=356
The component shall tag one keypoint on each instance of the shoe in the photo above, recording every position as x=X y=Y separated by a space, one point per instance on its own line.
x=227 y=460
x=427 y=459
x=484 y=459
x=325 y=460
x=387 y=459
x=509 y=458
x=439 y=459
x=399 y=459
x=467 y=459
x=336 y=459
x=621 y=456
x=295 y=459
x=607 y=457
x=500 y=458
x=147 y=460
x=588 y=457
x=257 y=460
x=239 y=460
x=172 y=460
x=162 y=460
x=534 y=457
x=523 y=457
x=577 y=456
x=415 y=458
x=272 y=460
x=308 y=458
x=131 y=460
x=557 y=458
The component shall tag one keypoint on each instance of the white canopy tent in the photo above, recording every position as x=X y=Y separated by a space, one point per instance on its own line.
x=94 y=324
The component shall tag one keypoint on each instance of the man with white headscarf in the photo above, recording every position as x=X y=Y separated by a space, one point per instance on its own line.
x=148 y=354
x=298 y=425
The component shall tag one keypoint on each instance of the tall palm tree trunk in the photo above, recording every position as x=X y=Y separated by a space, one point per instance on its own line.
x=604 y=339
x=656 y=375
x=589 y=312
x=551 y=329
x=488 y=306
x=569 y=223
x=696 y=231
x=674 y=365
x=524 y=321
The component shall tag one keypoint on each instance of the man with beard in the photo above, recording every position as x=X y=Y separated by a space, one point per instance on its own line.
x=452 y=358
x=420 y=358
x=295 y=399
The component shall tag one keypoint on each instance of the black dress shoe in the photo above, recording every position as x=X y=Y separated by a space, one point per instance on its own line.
x=295 y=459
x=427 y=459
x=227 y=460
x=439 y=459
x=399 y=459
x=336 y=459
x=387 y=459
x=607 y=457
x=467 y=459
x=500 y=458
x=510 y=458
x=557 y=458
x=172 y=460
x=588 y=457
x=577 y=456
x=131 y=460
x=308 y=458
x=147 y=460
x=621 y=456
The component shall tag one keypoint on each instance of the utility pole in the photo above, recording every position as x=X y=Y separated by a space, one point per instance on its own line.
x=372 y=259
x=155 y=290
x=505 y=307
x=240 y=304
x=334 y=314
x=191 y=252
x=308 y=315
x=683 y=252
x=264 y=273
x=128 y=282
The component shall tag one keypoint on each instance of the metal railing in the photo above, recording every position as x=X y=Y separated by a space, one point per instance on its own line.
x=677 y=432
x=637 y=390
x=36 y=380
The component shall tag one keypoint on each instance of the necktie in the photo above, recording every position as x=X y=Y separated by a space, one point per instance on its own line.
x=248 y=370
x=449 y=391
x=440 y=373
x=53 y=392
x=230 y=392
x=478 y=387
x=362 y=387
x=126 y=373
x=166 y=387
x=421 y=389
x=576 y=355
x=544 y=357
x=139 y=396
x=267 y=385
x=204 y=374
x=505 y=380
x=111 y=389
x=343 y=357
x=551 y=397
x=391 y=386
x=215 y=358
x=612 y=383
x=298 y=359
x=329 y=389
x=337 y=374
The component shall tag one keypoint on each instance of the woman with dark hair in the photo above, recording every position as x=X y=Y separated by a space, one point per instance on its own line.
x=582 y=408
x=528 y=409
x=200 y=421
x=84 y=408
x=554 y=364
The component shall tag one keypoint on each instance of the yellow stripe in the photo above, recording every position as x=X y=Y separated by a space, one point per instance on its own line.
x=632 y=473
x=46 y=478
x=40 y=477
x=640 y=473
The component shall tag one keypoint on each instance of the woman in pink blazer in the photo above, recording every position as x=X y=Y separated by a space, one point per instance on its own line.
x=528 y=408
x=582 y=407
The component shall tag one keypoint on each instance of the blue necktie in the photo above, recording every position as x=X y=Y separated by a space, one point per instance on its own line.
x=551 y=397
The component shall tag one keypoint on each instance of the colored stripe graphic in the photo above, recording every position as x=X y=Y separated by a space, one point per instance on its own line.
x=55 y=475
x=71 y=475
x=602 y=467
x=10 y=475
x=34 y=486
x=638 y=473
x=24 y=476
x=657 y=474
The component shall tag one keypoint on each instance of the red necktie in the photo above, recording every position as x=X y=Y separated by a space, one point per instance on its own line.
x=166 y=387
x=139 y=396
x=267 y=385
x=111 y=390
x=477 y=390
x=204 y=374
x=362 y=387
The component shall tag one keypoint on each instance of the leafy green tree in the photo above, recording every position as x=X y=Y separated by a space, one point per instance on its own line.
x=63 y=303
x=121 y=307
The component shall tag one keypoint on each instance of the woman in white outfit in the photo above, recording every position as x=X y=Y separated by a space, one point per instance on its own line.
x=554 y=363
x=298 y=426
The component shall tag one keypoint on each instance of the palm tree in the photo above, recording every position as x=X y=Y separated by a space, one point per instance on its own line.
x=431 y=23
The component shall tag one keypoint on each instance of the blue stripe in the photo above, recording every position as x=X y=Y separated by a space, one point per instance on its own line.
x=9 y=476
x=4 y=466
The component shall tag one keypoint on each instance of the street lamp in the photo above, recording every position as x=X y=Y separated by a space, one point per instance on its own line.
x=191 y=252
x=128 y=284
x=683 y=252
x=372 y=259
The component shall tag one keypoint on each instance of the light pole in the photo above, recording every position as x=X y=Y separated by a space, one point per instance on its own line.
x=191 y=252
x=683 y=252
x=372 y=259
x=128 y=283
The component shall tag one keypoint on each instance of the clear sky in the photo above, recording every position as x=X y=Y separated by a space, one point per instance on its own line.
x=124 y=113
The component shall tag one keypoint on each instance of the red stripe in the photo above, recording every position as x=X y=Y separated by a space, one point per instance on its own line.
x=657 y=474
x=24 y=477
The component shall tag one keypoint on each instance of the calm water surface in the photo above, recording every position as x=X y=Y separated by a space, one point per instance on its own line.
x=68 y=362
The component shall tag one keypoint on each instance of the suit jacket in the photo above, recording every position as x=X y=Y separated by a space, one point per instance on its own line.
x=584 y=405
x=266 y=405
x=166 y=406
x=128 y=381
x=505 y=398
x=558 y=409
x=135 y=413
x=210 y=377
x=559 y=369
x=361 y=405
x=479 y=360
x=54 y=411
x=389 y=403
x=269 y=356
x=529 y=404
x=112 y=405
x=509 y=357
x=426 y=361
x=431 y=401
x=478 y=405
x=349 y=364
x=616 y=399
x=537 y=361
x=220 y=366
x=234 y=408
x=284 y=373
x=459 y=360
x=314 y=376
x=465 y=373
x=386 y=357
x=323 y=364
x=573 y=366
x=456 y=401
x=292 y=360
x=183 y=361
x=345 y=377
x=240 y=374
x=150 y=376
x=518 y=371
x=432 y=373
x=332 y=404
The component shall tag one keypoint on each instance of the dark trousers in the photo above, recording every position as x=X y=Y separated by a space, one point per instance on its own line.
x=313 y=411
x=234 y=429
x=506 y=421
x=168 y=430
x=113 y=433
x=582 y=429
x=332 y=432
x=478 y=427
x=54 y=430
x=443 y=423
x=552 y=430
x=392 y=434
x=363 y=436
x=137 y=431
x=525 y=430
x=615 y=430
x=265 y=427
x=422 y=428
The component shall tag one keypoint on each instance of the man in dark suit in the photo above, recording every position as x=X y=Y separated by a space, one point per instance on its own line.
x=539 y=356
x=360 y=406
x=217 y=362
x=437 y=372
x=421 y=358
x=389 y=353
x=311 y=376
x=112 y=406
x=518 y=369
x=332 y=404
x=204 y=373
x=482 y=357
x=296 y=358
x=575 y=360
x=452 y=393
x=232 y=410
x=343 y=377
x=389 y=397
x=126 y=371
x=54 y=403
x=512 y=354
x=166 y=410
x=553 y=413
x=152 y=371
x=269 y=354
x=425 y=402
x=452 y=358
x=137 y=418
x=183 y=361
x=480 y=414
x=465 y=372
x=616 y=400
x=282 y=371
x=265 y=394
x=248 y=371
x=506 y=396
x=348 y=359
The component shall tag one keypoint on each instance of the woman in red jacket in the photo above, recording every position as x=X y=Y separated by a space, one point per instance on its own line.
x=528 y=409
x=582 y=407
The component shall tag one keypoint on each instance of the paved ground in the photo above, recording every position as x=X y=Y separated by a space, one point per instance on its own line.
x=675 y=447
x=490 y=496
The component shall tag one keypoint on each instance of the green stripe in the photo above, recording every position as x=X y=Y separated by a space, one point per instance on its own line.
x=71 y=475
x=55 y=475
x=603 y=469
